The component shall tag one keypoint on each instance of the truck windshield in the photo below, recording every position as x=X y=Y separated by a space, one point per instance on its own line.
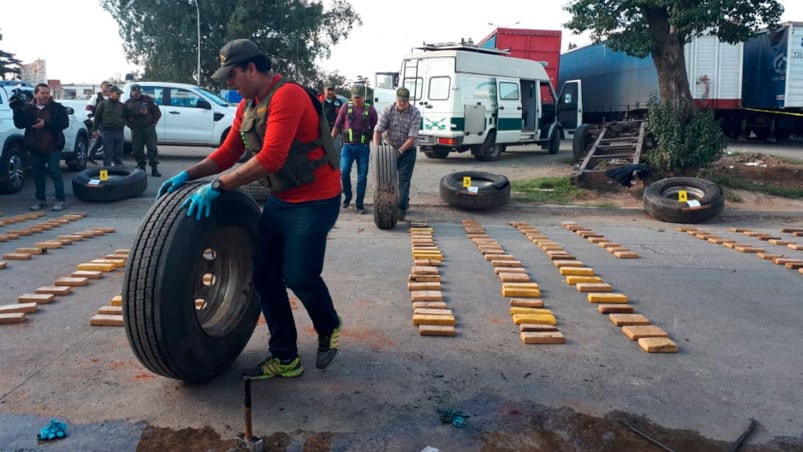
x=215 y=98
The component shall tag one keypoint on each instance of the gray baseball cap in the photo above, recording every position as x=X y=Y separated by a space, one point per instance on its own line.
x=233 y=53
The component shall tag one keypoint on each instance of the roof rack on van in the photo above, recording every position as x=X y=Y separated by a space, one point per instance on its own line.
x=461 y=46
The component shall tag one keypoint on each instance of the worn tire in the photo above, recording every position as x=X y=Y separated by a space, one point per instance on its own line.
x=124 y=182
x=12 y=169
x=493 y=190
x=581 y=142
x=256 y=190
x=661 y=200
x=386 y=193
x=489 y=151
x=554 y=142
x=176 y=260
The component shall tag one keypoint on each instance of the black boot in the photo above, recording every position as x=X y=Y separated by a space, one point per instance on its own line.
x=155 y=172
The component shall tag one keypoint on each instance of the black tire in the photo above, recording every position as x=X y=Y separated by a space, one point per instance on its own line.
x=581 y=142
x=256 y=190
x=489 y=151
x=189 y=306
x=661 y=200
x=78 y=160
x=124 y=182
x=554 y=142
x=493 y=190
x=12 y=169
x=386 y=193
x=437 y=153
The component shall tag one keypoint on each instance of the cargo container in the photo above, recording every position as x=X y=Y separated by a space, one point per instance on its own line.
x=537 y=45
x=755 y=88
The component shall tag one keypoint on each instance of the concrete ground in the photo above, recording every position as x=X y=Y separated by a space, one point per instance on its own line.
x=736 y=319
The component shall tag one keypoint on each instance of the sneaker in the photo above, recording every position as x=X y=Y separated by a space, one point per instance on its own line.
x=327 y=347
x=39 y=205
x=361 y=210
x=274 y=367
x=59 y=205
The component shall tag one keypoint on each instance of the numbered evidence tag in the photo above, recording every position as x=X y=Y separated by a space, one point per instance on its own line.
x=466 y=181
x=683 y=196
x=103 y=175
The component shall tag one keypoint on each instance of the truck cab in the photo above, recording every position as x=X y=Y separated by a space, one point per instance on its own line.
x=481 y=100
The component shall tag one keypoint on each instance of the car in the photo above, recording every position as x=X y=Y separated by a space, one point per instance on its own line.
x=13 y=158
x=191 y=115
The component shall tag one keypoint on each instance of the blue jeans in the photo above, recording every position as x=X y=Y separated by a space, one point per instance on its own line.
x=290 y=250
x=405 y=165
x=47 y=163
x=349 y=153
x=112 y=147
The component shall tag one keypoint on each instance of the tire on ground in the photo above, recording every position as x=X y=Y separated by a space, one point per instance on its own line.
x=493 y=190
x=386 y=193
x=581 y=142
x=661 y=200
x=189 y=305
x=123 y=182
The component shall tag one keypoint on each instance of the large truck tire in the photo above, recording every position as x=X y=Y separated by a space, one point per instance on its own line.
x=581 y=142
x=554 y=142
x=661 y=200
x=189 y=305
x=123 y=182
x=386 y=193
x=12 y=169
x=489 y=151
x=493 y=190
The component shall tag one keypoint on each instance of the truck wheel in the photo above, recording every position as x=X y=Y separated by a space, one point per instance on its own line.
x=386 y=194
x=581 y=142
x=78 y=160
x=123 y=183
x=489 y=151
x=436 y=153
x=189 y=306
x=554 y=142
x=12 y=169
x=493 y=190
x=661 y=200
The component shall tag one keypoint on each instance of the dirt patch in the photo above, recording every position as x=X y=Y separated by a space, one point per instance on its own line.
x=762 y=169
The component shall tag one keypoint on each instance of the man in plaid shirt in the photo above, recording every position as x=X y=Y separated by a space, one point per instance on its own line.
x=401 y=121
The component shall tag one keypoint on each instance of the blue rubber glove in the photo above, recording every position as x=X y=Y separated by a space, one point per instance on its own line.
x=172 y=184
x=54 y=430
x=201 y=201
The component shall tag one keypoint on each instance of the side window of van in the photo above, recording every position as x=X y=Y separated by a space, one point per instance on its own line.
x=156 y=92
x=508 y=91
x=439 y=88
x=183 y=98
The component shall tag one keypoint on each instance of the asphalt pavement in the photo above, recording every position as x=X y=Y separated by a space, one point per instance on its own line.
x=736 y=319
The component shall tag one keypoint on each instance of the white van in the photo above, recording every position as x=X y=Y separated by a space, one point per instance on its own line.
x=477 y=99
x=191 y=115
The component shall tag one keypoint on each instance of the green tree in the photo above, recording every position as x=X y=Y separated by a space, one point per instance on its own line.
x=9 y=65
x=660 y=28
x=161 y=36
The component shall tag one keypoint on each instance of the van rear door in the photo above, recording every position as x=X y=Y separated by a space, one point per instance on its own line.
x=508 y=123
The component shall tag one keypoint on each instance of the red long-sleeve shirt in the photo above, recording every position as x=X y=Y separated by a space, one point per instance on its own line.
x=290 y=115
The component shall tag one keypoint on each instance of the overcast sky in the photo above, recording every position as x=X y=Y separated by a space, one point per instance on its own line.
x=81 y=42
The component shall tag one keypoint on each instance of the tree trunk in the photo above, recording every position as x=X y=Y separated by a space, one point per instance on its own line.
x=669 y=58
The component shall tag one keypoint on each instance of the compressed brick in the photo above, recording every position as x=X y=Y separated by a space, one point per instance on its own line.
x=424 y=278
x=527 y=302
x=593 y=287
x=496 y=263
x=499 y=270
x=424 y=270
x=793 y=265
x=34 y=251
x=110 y=310
x=3 y=264
x=499 y=257
x=91 y=274
x=561 y=256
x=795 y=246
x=106 y=320
x=426 y=295
x=96 y=266
x=626 y=254
x=426 y=263
x=436 y=330
x=597 y=240
x=780 y=242
x=577 y=271
x=513 y=277
x=748 y=249
x=572 y=280
x=527 y=310
x=542 y=337
x=536 y=327
x=636 y=332
x=544 y=319
x=658 y=345
x=628 y=319
x=432 y=311
x=783 y=260
x=615 y=308
x=424 y=286
x=118 y=263
x=38 y=298
x=429 y=305
x=769 y=256
x=55 y=290
x=564 y=263
x=117 y=300
x=597 y=297
x=26 y=308
x=72 y=281
x=121 y=251
x=48 y=244
x=12 y=317
x=425 y=319
x=791 y=230
x=70 y=237
x=529 y=292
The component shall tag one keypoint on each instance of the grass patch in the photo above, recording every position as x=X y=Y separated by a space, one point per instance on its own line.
x=742 y=184
x=732 y=197
x=547 y=190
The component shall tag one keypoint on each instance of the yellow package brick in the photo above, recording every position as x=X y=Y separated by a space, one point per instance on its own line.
x=628 y=319
x=658 y=345
x=603 y=297
x=542 y=337
x=96 y=266
x=116 y=300
x=572 y=280
x=527 y=302
x=530 y=290
x=411 y=286
x=526 y=310
x=593 y=287
x=543 y=319
x=26 y=308
x=106 y=320
x=635 y=332
x=436 y=330
x=577 y=271
x=426 y=319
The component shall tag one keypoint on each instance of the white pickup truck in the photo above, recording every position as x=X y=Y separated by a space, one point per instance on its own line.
x=14 y=159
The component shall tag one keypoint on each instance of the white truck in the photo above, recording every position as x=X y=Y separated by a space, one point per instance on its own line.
x=480 y=100
x=14 y=158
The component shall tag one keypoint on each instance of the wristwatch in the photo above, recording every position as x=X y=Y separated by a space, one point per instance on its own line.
x=217 y=184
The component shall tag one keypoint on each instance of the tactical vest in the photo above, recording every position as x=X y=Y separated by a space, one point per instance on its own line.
x=350 y=130
x=298 y=169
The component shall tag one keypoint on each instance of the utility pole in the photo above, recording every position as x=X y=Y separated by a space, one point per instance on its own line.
x=198 y=29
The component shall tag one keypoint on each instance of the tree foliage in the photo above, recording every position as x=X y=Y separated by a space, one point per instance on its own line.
x=161 y=36
x=9 y=65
